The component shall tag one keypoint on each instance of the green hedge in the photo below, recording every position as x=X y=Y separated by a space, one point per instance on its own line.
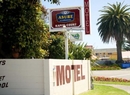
x=105 y=68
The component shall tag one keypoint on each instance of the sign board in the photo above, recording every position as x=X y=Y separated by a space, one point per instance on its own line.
x=76 y=36
x=87 y=16
x=69 y=17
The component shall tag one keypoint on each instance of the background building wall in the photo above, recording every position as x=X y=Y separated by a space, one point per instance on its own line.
x=109 y=53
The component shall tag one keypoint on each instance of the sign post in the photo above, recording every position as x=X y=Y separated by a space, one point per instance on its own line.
x=67 y=19
x=66 y=42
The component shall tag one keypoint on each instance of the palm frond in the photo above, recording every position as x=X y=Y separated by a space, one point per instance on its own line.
x=114 y=22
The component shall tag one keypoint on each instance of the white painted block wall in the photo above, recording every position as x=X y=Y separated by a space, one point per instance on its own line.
x=24 y=77
x=73 y=88
x=38 y=77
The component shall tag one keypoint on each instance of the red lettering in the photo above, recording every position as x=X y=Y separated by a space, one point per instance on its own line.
x=68 y=74
x=86 y=10
x=63 y=74
x=82 y=76
x=78 y=72
x=60 y=75
x=86 y=4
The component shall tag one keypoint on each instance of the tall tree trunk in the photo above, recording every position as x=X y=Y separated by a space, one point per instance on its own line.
x=119 y=51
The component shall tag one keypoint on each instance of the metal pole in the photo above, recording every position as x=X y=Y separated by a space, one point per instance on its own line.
x=66 y=42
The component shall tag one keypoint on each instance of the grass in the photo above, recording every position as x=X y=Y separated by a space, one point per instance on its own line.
x=105 y=90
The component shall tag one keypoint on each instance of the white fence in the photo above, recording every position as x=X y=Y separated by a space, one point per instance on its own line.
x=44 y=77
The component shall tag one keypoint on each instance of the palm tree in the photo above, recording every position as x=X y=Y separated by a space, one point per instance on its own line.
x=114 y=24
x=126 y=45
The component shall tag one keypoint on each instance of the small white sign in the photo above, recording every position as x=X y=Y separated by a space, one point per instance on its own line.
x=76 y=36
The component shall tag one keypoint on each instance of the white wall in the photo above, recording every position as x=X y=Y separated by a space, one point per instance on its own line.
x=63 y=89
x=39 y=77
x=24 y=77
x=72 y=88
x=83 y=85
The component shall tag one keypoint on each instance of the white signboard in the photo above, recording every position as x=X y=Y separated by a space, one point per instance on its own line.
x=76 y=36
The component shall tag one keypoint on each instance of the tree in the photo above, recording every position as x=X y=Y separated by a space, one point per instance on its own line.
x=57 y=46
x=53 y=1
x=114 y=24
x=126 y=45
x=22 y=30
x=37 y=1
x=79 y=51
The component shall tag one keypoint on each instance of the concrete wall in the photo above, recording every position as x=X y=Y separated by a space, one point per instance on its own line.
x=44 y=77
x=24 y=77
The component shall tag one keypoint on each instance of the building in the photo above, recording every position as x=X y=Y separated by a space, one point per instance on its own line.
x=109 y=53
x=90 y=47
x=93 y=56
x=126 y=55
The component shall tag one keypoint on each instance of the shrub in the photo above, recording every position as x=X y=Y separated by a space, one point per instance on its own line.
x=114 y=67
x=108 y=79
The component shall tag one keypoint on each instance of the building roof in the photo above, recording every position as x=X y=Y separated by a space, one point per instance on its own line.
x=107 y=50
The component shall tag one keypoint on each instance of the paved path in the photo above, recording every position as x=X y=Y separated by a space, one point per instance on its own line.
x=122 y=87
x=124 y=73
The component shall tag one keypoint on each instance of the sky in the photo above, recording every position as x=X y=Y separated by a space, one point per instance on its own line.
x=95 y=5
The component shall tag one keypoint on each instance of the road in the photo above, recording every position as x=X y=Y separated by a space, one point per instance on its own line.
x=124 y=73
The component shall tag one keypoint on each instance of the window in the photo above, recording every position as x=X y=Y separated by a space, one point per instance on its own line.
x=109 y=53
x=96 y=53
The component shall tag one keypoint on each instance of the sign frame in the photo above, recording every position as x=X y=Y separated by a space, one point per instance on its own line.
x=87 y=16
x=52 y=16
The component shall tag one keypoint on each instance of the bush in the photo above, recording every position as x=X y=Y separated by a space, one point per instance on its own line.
x=114 y=67
x=108 y=63
x=96 y=78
